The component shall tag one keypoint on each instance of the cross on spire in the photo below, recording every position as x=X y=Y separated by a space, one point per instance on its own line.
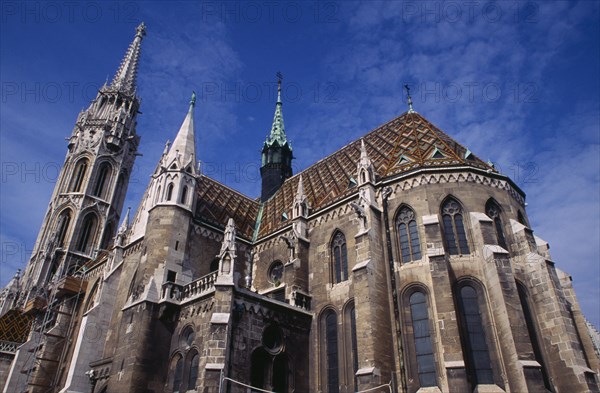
x=410 y=107
x=279 y=76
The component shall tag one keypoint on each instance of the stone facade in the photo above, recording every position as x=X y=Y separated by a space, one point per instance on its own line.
x=400 y=263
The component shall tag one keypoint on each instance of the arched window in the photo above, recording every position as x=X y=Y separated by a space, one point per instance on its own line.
x=78 y=176
x=479 y=366
x=63 y=226
x=259 y=365
x=169 y=191
x=178 y=375
x=101 y=187
x=88 y=231
x=331 y=351
x=108 y=236
x=454 y=230
x=339 y=257
x=422 y=339
x=408 y=235
x=351 y=339
x=184 y=195
x=280 y=373
x=532 y=331
x=193 y=375
x=157 y=196
x=493 y=211
x=119 y=194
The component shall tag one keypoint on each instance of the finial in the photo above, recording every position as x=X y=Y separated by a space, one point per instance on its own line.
x=193 y=100
x=410 y=107
x=140 y=30
x=279 y=76
x=167 y=144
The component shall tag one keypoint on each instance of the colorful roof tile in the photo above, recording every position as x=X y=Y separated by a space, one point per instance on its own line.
x=403 y=145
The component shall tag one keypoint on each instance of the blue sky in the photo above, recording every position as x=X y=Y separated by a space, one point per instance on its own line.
x=516 y=82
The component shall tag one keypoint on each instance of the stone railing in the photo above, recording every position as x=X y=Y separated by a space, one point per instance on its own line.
x=301 y=300
x=200 y=286
x=171 y=292
x=8 y=346
x=177 y=293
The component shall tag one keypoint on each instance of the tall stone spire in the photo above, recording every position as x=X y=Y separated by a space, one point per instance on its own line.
x=124 y=80
x=276 y=153
x=174 y=179
x=183 y=149
x=277 y=128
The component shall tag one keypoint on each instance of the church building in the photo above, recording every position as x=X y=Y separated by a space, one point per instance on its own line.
x=400 y=263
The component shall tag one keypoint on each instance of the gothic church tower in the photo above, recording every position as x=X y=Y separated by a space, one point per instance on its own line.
x=83 y=214
x=276 y=154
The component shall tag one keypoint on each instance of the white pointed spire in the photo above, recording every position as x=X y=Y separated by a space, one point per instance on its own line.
x=125 y=224
x=125 y=77
x=365 y=169
x=300 y=190
x=122 y=232
x=183 y=149
x=227 y=255
x=300 y=208
x=228 y=238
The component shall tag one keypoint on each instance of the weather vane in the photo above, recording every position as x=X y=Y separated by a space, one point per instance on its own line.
x=410 y=107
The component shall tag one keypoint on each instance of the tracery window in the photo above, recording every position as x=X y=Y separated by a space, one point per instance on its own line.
x=422 y=339
x=276 y=272
x=332 y=352
x=351 y=338
x=79 y=176
x=178 y=375
x=88 y=231
x=184 y=195
x=453 y=227
x=533 y=332
x=169 y=191
x=102 y=180
x=339 y=257
x=63 y=225
x=493 y=211
x=408 y=235
x=193 y=374
x=479 y=366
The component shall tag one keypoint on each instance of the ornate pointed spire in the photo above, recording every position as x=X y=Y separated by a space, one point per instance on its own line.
x=277 y=128
x=300 y=207
x=365 y=169
x=227 y=256
x=125 y=224
x=300 y=190
x=122 y=232
x=183 y=148
x=410 y=107
x=124 y=80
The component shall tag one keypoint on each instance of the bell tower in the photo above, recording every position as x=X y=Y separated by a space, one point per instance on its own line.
x=276 y=153
x=83 y=214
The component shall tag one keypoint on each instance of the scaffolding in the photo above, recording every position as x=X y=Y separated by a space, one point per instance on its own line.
x=54 y=332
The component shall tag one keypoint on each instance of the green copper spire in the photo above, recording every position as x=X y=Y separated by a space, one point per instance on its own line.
x=278 y=128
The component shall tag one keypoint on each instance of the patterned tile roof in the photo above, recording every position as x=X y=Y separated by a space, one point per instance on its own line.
x=217 y=203
x=405 y=144
x=14 y=326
